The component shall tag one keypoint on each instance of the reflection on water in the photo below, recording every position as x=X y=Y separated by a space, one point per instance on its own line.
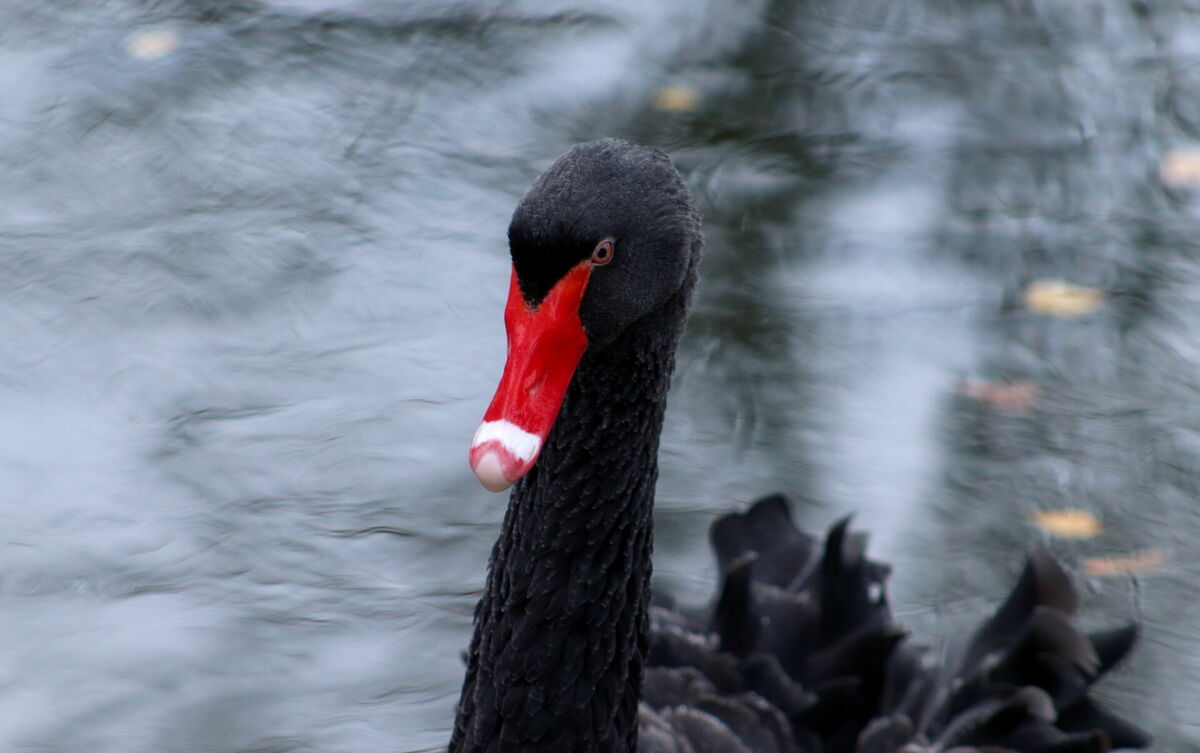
x=253 y=265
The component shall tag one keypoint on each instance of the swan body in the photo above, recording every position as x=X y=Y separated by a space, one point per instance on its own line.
x=799 y=651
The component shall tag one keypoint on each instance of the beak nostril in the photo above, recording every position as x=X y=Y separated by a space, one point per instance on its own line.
x=533 y=385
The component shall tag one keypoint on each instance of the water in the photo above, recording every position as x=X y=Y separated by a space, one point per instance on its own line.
x=252 y=265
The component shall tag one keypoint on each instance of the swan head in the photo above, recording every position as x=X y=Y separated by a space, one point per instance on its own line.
x=604 y=237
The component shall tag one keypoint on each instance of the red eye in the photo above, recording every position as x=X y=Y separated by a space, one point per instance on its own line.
x=603 y=252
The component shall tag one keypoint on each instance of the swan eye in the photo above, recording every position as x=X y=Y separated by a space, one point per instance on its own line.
x=603 y=253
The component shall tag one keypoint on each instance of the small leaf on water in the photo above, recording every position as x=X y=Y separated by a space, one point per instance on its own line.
x=1018 y=395
x=1180 y=167
x=676 y=99
x=1058 y=298
x=1126 y=564
x=1069 y=524
x=151 y=45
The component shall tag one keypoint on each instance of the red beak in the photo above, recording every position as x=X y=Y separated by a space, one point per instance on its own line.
x=544 y=347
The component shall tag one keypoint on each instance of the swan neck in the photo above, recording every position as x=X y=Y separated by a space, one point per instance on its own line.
x=561 y=630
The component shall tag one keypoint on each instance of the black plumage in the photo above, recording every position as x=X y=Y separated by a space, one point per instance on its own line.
x=853 y=682
x=800 y=651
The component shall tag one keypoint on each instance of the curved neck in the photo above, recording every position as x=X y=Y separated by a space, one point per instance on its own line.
x=560 y=632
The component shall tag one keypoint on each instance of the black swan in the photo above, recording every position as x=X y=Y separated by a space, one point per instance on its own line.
x=799 y=651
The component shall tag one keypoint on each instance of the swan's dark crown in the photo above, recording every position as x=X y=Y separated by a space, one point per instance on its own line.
x=607 y=189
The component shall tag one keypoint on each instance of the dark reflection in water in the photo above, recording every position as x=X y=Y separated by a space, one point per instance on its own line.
x=251 y=274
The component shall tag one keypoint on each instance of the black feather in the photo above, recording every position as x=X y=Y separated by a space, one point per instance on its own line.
x=799 y=652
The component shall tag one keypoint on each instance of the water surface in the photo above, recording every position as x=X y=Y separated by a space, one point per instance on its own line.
x=252 y=268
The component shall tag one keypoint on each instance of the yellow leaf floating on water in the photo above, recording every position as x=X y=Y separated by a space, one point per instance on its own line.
x=676 y=99
x=1018 y=395
x=1126 y=564
x=1180 y=167
x=1069 y=524
x=1058 y=298
x=151 y=45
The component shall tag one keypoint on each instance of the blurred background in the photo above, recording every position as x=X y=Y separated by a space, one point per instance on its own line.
x=252 y=270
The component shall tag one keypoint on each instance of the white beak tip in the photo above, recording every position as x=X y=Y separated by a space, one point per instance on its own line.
x=490 y=472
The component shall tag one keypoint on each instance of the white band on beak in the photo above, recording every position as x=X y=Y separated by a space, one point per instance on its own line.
x=520 y=443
